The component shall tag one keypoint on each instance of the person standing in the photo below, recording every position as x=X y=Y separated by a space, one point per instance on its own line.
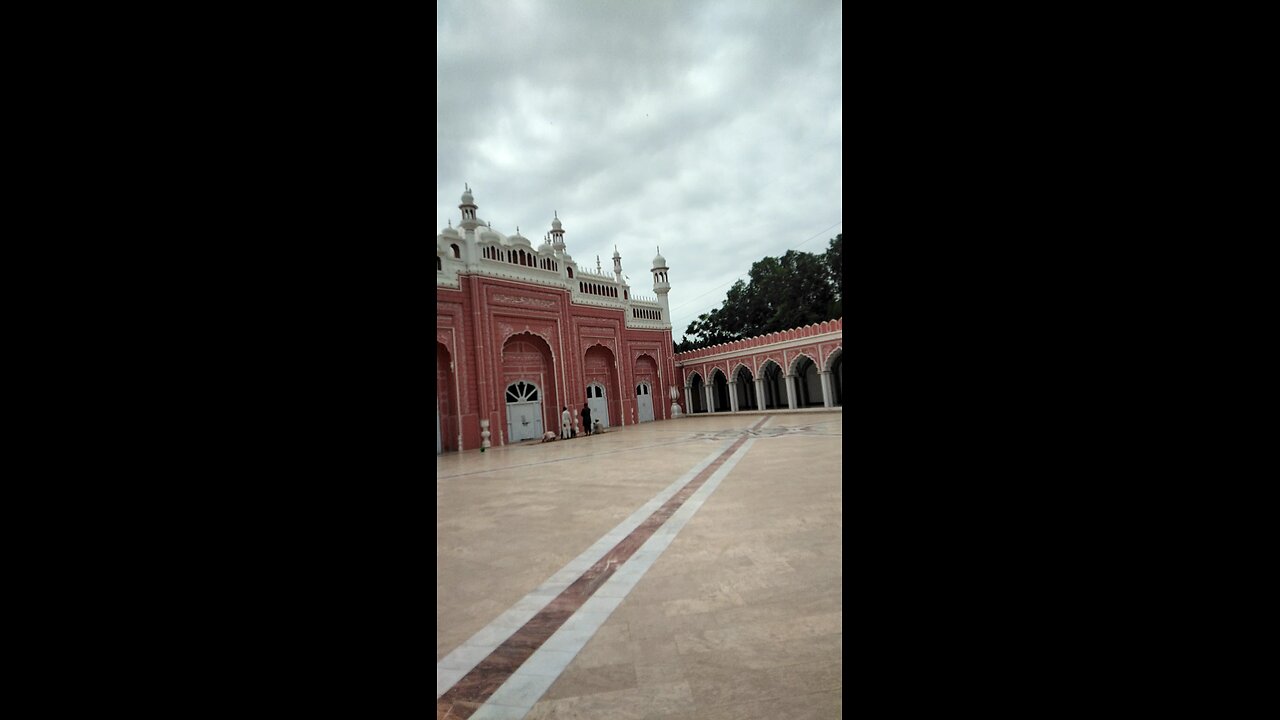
x=586 y=419
x=566 y=422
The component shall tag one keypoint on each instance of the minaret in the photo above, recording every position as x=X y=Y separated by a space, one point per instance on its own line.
x=617 y=265
x=660 y=284
x=557 y=235
x=468 y=207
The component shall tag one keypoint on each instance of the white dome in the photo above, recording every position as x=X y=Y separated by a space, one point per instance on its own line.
x=488 y=235
x=555 y=223
x=450 y=232
x=466 y=197
x=659 y=261
x=519 y=239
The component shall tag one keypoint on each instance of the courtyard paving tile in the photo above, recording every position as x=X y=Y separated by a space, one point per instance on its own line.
x=739 y=617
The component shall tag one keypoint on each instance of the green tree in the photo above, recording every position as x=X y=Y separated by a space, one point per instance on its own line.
x=795 y=289
x=835 y=271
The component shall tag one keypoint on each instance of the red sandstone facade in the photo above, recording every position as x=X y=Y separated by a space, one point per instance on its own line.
x=492 y=333
x=512 y=320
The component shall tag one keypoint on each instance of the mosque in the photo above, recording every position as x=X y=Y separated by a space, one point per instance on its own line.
x=522 y=331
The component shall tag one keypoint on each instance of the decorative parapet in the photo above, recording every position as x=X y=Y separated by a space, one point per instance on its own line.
x=799 y=333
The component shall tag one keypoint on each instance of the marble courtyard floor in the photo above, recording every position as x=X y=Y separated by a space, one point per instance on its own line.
x=683 y=569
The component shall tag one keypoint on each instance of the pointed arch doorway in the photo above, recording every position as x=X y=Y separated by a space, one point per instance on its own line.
x=645 y=373
x=600 y=373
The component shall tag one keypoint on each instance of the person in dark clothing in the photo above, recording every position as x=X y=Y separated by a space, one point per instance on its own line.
x=586 y=419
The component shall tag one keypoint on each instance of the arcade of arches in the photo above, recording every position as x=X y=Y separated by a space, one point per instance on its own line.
x=802 y=368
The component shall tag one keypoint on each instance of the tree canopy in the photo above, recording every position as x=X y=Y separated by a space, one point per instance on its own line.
x=796 y=289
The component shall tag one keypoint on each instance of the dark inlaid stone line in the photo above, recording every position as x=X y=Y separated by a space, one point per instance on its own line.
x=469 y=693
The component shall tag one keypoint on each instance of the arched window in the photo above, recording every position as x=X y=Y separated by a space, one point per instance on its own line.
x=456 y=252
x=570 y=269
x=522 y=391
x=439 y=265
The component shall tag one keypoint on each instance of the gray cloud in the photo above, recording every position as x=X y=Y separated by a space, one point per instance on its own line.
x=711 y=129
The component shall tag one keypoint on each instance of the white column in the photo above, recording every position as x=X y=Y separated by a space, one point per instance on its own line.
x=711 y=407
x=824 y=376
x=688 y=399
x=733 y=396
x=789 y=380
x=760 y=397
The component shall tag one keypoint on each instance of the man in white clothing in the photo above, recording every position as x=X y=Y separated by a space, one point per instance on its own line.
x=566 y=423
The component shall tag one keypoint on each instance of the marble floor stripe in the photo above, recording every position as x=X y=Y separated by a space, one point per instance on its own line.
x=452 y=667
x=467 y=696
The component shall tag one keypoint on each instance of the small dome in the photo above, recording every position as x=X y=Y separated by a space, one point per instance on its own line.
x=659 y=261
x=519 y=239
x=466 y=197
x=488 y=235
x=450 y=232
x=555 y=223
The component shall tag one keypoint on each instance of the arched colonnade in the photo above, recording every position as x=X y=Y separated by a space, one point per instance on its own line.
x=804 y=384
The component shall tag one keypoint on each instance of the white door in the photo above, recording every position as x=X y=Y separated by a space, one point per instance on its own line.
x=644 y=402
x=599 y=404
x=524 y=412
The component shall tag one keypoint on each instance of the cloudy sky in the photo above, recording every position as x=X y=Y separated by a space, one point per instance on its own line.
x=711 y=128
